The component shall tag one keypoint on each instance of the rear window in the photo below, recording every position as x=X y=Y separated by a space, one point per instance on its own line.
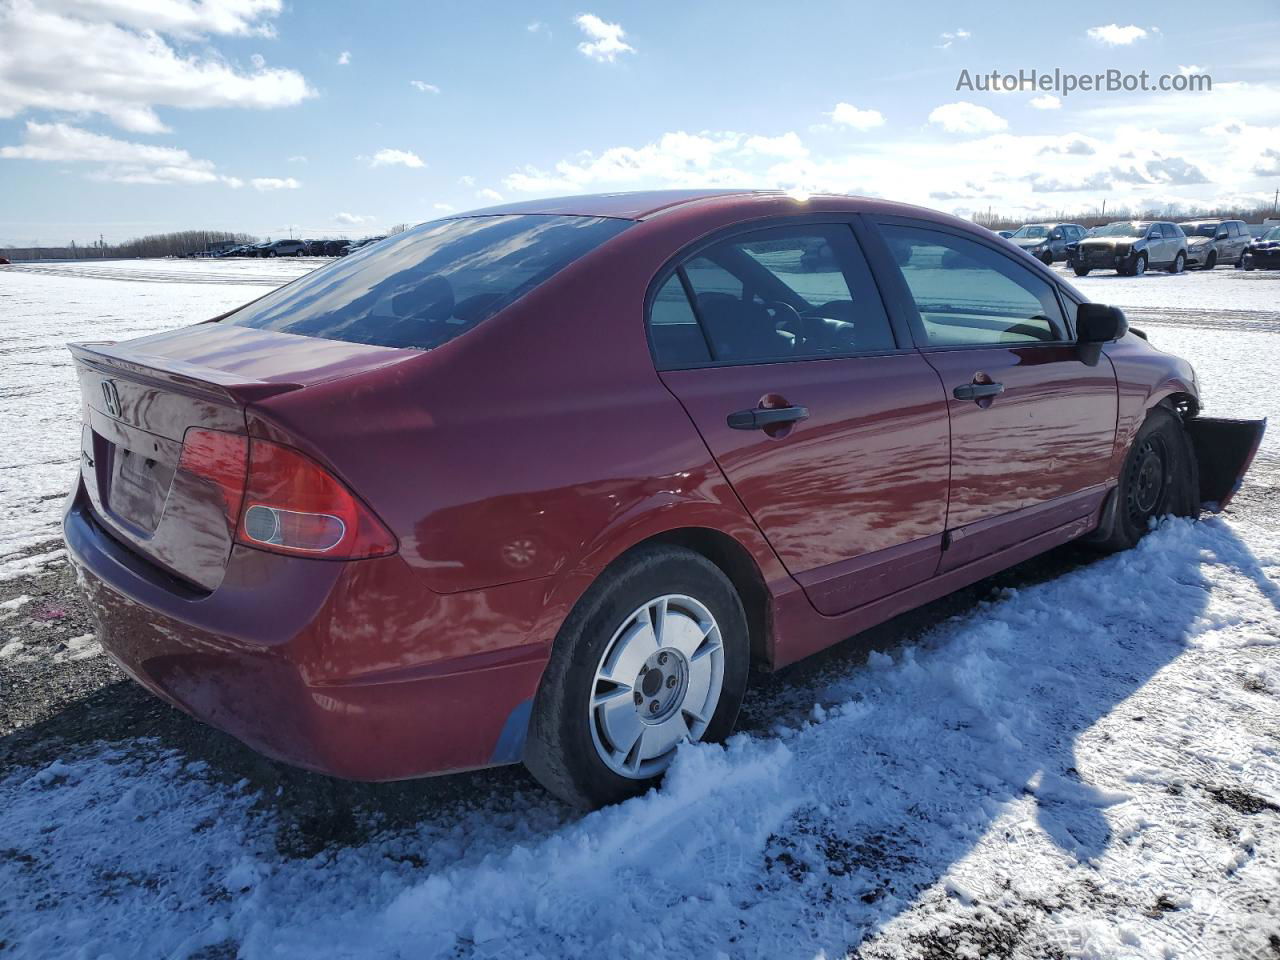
x=427 y=285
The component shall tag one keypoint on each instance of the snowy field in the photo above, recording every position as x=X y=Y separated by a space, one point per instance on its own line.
x=1079 y=758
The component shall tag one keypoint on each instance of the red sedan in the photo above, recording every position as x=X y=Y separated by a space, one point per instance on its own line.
x=540 y=483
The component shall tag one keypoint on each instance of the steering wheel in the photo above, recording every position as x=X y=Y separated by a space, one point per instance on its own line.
x=785 y=316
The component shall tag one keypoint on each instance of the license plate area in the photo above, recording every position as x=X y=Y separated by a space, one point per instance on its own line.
x=132 y=471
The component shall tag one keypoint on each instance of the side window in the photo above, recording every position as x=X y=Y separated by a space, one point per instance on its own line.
x=789 y=293
x=969 y=295
x=673 y=327
x=1170 y=231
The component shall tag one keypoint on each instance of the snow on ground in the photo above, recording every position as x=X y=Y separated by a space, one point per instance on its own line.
x=1086 y=766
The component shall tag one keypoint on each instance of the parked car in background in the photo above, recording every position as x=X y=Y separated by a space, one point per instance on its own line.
x=577 y=566
x=1047 y=242
x=1211 y=242
x=361 y=244
x=1263 y=253
x=284 y=248
x=335 y=248
x=1130 y=247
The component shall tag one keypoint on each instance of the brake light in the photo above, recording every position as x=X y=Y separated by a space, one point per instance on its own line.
x=293 y=505
x=279 y=499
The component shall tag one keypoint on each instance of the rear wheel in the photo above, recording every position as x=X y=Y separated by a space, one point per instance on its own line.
x=1159 y=478
x=1080 y=271
x=1179 y=263
x=655 y=654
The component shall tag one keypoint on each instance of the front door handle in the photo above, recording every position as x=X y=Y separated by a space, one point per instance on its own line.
x=762 y=417
x=977 y=391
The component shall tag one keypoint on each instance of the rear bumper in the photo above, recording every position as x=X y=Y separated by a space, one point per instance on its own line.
x=350 y=669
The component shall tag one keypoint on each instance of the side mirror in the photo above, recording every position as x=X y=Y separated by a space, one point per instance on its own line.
x=1099 y=323
x=1221 y=235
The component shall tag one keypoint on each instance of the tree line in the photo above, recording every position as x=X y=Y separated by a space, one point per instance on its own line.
x=179 y=244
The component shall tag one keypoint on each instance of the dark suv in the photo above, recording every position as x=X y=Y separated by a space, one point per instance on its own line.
x=1211 y=242
x=1047 y=242
x=1130 y=247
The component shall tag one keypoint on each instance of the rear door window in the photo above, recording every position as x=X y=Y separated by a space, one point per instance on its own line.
x=429 y=284
x=787 y=293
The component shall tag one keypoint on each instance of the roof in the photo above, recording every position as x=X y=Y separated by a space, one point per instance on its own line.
x=633 y=205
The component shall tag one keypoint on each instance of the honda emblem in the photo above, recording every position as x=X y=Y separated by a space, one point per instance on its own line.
x=110 y=397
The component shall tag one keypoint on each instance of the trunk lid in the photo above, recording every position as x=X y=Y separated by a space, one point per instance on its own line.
x=140 y=398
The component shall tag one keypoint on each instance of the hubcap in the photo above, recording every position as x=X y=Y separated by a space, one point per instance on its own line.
x=1147 y=481
x=657 y=684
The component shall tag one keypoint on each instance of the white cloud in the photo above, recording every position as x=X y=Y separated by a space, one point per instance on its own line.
x=965 y=117
x=258 y=61
x=1190 y=69
x=114 y=160
x=1046 y=101
x=467 y=181
x=537 y=26
x=947 y=39
x=788 y=146
x=394 y=158
x=344 y=58
x=1114 y=35
x=423 y=86
x=604 y=40
x=489 y=194
x=180 y=18
x=351 y=219
x=112 y=58
x=846 y=114
x=299 y=158
x=275 y=183
x=444 y=207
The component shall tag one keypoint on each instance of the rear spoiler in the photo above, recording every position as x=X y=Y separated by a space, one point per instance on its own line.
x=1224 y=450
x=112 y=360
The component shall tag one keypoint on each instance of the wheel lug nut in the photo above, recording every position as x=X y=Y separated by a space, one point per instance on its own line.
x=639 y=699
x=662 y=659
x=654 y=707
x=671 y=682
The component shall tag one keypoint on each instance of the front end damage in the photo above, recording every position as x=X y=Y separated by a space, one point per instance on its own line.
x=1224 y=449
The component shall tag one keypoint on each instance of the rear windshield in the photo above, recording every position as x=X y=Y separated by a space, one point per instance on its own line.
x=427 y=285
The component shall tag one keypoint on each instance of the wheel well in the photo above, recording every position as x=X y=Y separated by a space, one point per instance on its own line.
x=1183 y=404
x=737 y=564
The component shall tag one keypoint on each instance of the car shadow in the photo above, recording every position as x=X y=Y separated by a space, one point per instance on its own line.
x=867 y=873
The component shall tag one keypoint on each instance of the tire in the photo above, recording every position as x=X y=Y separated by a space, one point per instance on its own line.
x=1139 y=266
x=1159 y=477
x=569 y=749
x=1047 y=259
x=1212 y=260
x=1248 y=264
x=1179 y=263
x=1080 y=271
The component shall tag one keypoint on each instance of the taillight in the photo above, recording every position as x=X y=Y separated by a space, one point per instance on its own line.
x=281 y=500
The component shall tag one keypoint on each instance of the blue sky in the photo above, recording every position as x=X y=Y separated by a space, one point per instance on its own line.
x=124 y=117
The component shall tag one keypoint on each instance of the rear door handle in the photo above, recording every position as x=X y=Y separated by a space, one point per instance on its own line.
x=977 y=391
x=762 y=417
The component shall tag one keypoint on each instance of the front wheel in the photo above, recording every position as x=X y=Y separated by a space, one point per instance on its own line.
x=1139 y=266
x=1159 y=477
x=1179 y=263
x=1047 y=259
x=656 y=653
x=1212 y=260
x=1080 y=271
